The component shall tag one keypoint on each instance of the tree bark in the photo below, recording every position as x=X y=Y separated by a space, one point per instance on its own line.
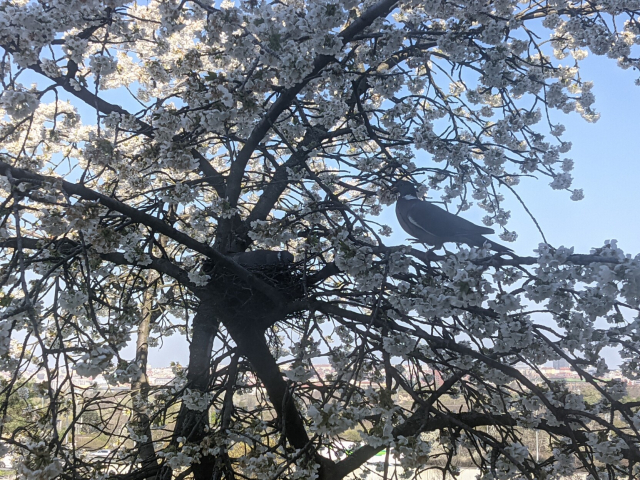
x=140 y=387
x=192 y=424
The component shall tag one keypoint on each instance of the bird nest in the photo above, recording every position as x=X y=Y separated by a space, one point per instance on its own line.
x=276 y=268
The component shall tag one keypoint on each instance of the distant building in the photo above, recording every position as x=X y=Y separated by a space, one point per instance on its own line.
x=562 y=363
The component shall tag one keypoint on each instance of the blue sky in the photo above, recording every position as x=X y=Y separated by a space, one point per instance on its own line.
x=607 y=167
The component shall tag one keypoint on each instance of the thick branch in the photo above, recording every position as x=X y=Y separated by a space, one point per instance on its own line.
x=140 y=387
x=153 y=223
x=253 y=346
x=421 y=421
x=286 y=97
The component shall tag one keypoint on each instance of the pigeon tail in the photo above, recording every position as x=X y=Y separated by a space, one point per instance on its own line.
x=479 y=241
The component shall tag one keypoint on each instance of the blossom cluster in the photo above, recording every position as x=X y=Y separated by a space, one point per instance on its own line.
x=161 y=136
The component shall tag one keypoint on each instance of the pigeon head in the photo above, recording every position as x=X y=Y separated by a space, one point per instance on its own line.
x=405 y=188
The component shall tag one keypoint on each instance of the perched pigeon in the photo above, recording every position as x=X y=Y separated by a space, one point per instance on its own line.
x=432 y=225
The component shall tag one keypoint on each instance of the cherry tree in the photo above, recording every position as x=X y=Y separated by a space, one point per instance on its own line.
x=219 y=170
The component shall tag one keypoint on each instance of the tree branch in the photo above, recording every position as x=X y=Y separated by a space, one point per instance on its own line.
x=153 y=223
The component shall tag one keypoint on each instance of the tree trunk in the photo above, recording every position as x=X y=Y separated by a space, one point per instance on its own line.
x=140 y=387
x=191 y=424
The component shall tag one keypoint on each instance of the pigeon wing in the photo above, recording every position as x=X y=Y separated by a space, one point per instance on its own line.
x=435 y=221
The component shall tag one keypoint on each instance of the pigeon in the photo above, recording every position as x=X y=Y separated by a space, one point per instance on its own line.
x=432 y=225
